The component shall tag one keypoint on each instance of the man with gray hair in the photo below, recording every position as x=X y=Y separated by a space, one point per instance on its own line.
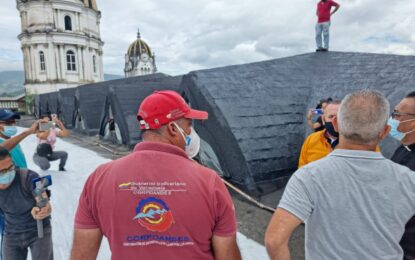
x=354 y=202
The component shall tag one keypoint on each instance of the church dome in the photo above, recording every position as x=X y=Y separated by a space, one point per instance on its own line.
x=90 y=4
x=138 y=47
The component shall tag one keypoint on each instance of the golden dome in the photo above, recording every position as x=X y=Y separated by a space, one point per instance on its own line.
x=139 y=47
x=91 y=4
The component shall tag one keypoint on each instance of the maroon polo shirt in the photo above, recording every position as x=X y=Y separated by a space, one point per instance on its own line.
x=324 y=10
x=157 y=204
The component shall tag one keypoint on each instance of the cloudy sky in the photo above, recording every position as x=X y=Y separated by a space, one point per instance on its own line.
x=188 y=35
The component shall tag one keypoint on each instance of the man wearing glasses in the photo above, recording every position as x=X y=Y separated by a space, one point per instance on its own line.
x=18 y=204
x=402 y=123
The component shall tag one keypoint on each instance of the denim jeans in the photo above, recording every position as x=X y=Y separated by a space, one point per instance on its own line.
x=15 y=246
x=43 y=162
x=322 y=31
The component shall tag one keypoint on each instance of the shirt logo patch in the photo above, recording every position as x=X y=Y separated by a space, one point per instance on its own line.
x=125 y=186
x=154 y=214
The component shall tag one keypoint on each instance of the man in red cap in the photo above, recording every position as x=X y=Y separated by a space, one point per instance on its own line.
x=156 y=203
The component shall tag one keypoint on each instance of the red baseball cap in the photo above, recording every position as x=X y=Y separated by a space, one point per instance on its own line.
x=163 y=107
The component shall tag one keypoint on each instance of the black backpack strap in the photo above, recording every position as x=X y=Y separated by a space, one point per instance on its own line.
x=23 y=180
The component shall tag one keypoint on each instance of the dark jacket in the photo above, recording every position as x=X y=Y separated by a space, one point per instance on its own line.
x=16 y=203
x=406 y=156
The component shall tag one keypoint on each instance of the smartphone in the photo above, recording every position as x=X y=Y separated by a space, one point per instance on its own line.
x=317 y=111
x=45 y=126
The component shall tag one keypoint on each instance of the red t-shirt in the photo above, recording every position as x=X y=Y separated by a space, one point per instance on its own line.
x=157 y=204
x=324 y=10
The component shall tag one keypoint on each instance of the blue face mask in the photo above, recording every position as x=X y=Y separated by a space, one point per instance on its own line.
x=8 y=177
x=395 y=133
x=9 y=131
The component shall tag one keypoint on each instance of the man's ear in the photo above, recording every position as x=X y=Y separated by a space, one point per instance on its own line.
x=172 y=129
x=335 y=124
x=385 y=132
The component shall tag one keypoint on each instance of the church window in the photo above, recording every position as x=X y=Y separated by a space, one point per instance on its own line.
x=68 y=23
x=42 y=61
x=90 y=4
x=70 y=61
x=94 y=63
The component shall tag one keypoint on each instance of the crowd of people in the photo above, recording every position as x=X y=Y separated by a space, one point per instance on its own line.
x=355 y=203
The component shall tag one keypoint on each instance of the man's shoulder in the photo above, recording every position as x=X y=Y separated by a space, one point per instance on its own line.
x=29 y=173
x=316 y=137
x=333 y=3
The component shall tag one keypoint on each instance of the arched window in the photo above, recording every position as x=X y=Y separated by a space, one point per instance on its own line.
x=42 y=61
x=70 y=61
x=94 y=63
x=68 y=23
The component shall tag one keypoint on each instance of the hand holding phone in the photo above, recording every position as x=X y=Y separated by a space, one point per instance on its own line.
x=45 y=126
x=317 y=111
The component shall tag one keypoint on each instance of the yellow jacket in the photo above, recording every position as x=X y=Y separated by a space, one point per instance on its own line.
x=315 y=147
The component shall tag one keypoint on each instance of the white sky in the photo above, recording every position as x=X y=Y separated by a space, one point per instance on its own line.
x=189 y=35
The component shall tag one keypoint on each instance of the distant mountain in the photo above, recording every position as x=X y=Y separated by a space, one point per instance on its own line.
x=11 y=82
x=112 y=76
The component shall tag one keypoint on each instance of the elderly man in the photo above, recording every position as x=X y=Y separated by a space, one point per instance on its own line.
x=321 y=143
x=402 y=123
x=157 y=203
x=354 y=202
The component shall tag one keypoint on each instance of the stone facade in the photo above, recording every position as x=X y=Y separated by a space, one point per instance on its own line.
x=61 y=44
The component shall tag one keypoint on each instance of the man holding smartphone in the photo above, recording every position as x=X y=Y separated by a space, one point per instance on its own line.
x=8 y=130
x=320 y=144
x=49 y=129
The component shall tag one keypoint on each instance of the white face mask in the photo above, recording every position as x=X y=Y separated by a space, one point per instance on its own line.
x=192 y=141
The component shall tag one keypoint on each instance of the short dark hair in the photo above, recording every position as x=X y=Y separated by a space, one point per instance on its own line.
x=4 y=153
x=411 y=95
x=45 y=115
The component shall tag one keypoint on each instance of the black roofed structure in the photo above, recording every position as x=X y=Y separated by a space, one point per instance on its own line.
x=66 y=102
x=90 y=100
x=48 y=103
x=37 y=106
x=257 y=120
x=257 y=112
x=119 y=120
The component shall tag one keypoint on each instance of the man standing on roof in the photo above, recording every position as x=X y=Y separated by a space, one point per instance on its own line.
x=157 y=203
x=323 y=25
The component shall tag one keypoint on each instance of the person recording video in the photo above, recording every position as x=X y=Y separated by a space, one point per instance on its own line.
x=49 y=129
